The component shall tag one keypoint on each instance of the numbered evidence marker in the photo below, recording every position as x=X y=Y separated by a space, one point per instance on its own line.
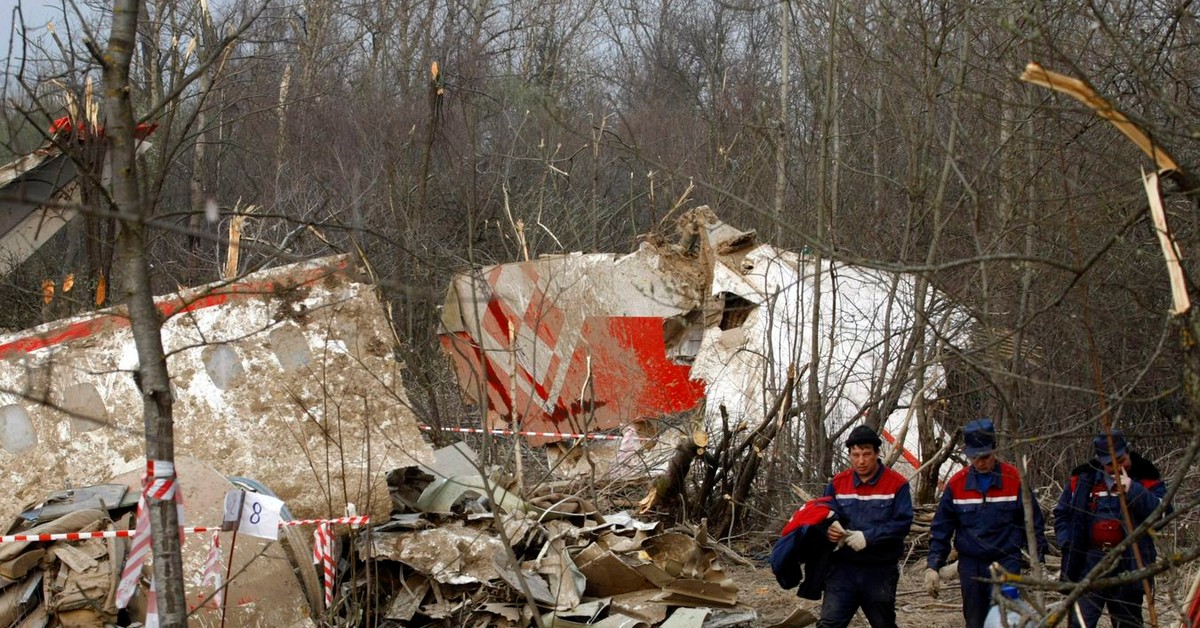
x=252 y=513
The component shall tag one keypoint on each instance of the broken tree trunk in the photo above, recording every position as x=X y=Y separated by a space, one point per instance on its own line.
x=669 y=492
x=725 y=511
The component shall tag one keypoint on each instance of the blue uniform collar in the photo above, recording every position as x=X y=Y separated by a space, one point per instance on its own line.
x=874 y=478
x=974 y=476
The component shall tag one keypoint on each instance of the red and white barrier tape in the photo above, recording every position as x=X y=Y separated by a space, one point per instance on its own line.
x=361 y=520
x=502 y=432
x=211 y=575
x=158 y=483
x=151 y=606
x=124 y=534
x=323 y=557
x=80 y=536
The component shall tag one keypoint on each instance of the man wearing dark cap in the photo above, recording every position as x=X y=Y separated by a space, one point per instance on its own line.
x=1088 y=521
x=982 y=510
x=874 y=510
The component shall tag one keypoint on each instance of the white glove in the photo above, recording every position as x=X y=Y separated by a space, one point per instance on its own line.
x=1125 y=480
x=836 y=530
x=933 y=582
x=856 y=540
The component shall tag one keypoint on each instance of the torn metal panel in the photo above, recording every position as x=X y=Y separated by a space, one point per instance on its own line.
x=450 y=554
x=566 y=582
x=38 y=197
x=606 y=573
x=571 y=343
x=84 y=520
x=718 y=315
x=687 y=618
x=452 y=460
x=519 y=526
x=287 y=375
x=529 y=579
x=409 y=598
x=17 y=568
x=798 y=618
x=641 y=605
x=695 y=578
x=613 y=620
x=510 y=612
x=624 y=521
x=100 y=497
x=731 y=617
x=443 y=494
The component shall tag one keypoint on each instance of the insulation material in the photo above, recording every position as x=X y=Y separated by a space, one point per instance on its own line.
x=867 y=317
x=286 y=376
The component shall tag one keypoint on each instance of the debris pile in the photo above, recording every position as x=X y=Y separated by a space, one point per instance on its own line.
x=462 y=547
x=67 y=573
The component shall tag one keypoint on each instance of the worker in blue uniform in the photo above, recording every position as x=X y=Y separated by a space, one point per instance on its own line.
x=982 y=511
x=1088 y=522
x=874 y=512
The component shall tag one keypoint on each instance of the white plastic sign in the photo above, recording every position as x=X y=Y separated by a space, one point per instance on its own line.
x=259 y=514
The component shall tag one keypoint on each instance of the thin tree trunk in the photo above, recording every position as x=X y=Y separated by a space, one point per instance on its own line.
x=815 y=435
x=927 y=487
x=144 y=317
x=781 y=139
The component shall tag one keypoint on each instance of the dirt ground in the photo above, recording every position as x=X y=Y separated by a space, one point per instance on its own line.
x=758 y=589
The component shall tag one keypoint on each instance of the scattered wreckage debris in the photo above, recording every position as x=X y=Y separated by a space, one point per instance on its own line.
x=287 y=374
x=72 y=581
x=465 y=548
x=41 y=192
x=459 y=547
x=565 y=347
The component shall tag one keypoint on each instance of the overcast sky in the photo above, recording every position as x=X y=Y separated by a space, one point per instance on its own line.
x=34 y=14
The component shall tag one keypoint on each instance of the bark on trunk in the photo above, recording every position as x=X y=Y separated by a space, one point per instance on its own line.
x=145 y=322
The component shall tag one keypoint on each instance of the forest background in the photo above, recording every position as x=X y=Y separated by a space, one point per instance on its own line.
x=894 y=134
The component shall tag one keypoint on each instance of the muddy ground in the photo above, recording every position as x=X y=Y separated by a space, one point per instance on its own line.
x=758 y=589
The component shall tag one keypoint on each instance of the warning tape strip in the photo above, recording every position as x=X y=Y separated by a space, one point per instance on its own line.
x=360 y=520
x=501 y=432
x=123 y=534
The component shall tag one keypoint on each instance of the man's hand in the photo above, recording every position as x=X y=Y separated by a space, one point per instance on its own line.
x=1125 y=480
x=856 y=540
x=933 y=582
x=835 y=533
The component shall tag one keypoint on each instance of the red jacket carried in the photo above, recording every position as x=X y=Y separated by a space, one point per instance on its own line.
x=801 y=554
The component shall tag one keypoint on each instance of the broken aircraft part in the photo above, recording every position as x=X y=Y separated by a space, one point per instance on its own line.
x=321 y=432
x=578 y=343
